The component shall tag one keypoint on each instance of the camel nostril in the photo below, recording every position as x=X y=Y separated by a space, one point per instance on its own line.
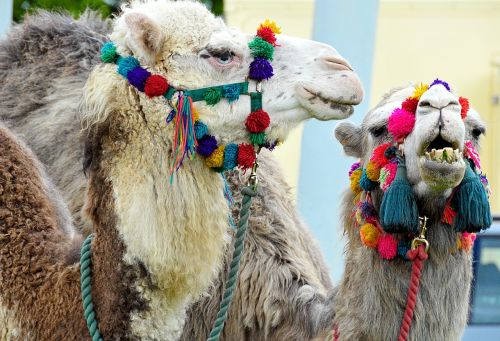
x=337 y=63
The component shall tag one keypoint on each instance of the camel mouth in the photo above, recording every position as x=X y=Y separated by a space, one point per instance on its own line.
x=326 y=107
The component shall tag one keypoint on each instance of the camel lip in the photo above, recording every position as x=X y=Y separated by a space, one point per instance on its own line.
x=328 y=100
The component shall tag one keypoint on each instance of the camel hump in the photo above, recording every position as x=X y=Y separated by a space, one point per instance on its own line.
x=28 y=200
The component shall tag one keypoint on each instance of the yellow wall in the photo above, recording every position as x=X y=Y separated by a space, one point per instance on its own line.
x=453 y=40
x=295 y=18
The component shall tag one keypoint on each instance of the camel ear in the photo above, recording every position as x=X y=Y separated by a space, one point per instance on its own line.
x=146 y=37
x=349 y=135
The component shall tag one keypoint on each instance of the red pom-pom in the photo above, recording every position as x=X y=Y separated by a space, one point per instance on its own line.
x=401 y=123
x=410 y=105
x=464 y=102
x=258 y=121
x=267 y=34
x=378 y=156
x=246 y=155
x=387 y=246
x=155 y=85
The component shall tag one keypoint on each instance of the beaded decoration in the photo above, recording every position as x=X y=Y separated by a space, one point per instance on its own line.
x=191 y=133
x=380 y=171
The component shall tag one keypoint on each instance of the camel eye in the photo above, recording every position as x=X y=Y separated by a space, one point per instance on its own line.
x=476 y=132
x=378 y=131
x=224 y=59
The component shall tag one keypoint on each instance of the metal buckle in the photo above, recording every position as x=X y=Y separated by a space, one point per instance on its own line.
x=421 y=240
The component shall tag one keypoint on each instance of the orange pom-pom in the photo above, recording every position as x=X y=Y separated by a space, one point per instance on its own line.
x=464 y=102
x=369 y=235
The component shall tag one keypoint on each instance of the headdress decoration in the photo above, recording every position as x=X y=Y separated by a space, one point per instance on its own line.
x=467 y=208
x=192 y=135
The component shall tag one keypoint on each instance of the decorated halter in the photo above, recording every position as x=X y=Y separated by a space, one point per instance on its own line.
x=391 y=230
x=192 y=135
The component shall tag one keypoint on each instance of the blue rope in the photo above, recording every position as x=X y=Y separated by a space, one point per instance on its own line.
x=86 y=286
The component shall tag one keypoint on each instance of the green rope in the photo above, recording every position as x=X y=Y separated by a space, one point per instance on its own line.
x=86 y=286
x=227 y=298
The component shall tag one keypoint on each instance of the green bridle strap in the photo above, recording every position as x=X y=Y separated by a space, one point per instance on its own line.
x=198 y=95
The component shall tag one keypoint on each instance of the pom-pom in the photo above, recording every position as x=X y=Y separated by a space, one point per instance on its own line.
x=387 y=246
x=230 y=156
x=403 y=249
x=365 y=183
x=267 y=34
x=467 y=241
x=271 y=24
x=378 y=155
x=390 y=152
x=261 y=48
x=464 y=102
x=206 y=145
x=258 y=139
x=354 y=166
x=399 y=210
x=216 y=159
x=257 y=121
x=387 y=175
x=127 y=64
x=443 y=83
x=212 y=96
x=260 y=69
x=108 y=53
x=372 y=171
x=246 y=156
x=137 y=77
x=410 y=105
x=369 y=235
x=231 y=92
x=200 y=130
x=367 y=210
x=355 y=177
x=419 y=91
x=400 y=124
x=156 y=85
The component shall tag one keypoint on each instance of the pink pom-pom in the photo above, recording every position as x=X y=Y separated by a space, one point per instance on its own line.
x=387 y=246
x=401 y=124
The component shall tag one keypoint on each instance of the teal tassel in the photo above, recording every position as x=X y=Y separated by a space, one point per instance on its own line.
x=399 y=210
x=471 y=203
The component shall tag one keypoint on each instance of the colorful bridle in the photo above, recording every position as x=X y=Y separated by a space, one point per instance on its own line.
x=391 y=230
x=192 y=135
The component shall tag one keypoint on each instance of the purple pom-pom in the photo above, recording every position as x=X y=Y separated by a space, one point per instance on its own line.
x=443 y=83
x=137 y=77
x=354 y=167
x=260 y=69
x=367 y=210
x=206 y=145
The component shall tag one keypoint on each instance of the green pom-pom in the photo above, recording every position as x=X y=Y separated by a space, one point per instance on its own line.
x=108 y=53
x=258 y=139
x=399 y=210
x=261 y=48
x=212 y=96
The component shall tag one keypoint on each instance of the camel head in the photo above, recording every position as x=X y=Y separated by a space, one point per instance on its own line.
x=184 y=43
x=429 y=131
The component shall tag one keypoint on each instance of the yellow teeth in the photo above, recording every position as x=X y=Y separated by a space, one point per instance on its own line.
x=447 y=154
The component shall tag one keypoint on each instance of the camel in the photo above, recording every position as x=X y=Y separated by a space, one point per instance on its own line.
x=128 y=147
x=372 y=294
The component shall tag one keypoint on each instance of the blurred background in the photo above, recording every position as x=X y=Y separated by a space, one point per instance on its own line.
x=389 y=43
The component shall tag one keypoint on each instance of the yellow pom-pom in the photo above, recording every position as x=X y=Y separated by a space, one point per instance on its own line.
x=372 y=171
x=272 y=25
x=196 y=115
x=419 y=90
x=369 y=235
x=355 y=176
x=216 y=159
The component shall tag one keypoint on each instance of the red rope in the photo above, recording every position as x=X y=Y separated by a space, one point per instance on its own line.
x=418 y=257
x=336 y=334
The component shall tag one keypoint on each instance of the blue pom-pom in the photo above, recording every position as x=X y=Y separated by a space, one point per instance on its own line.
x=230 y=156
x=367 y=210
x=108 y=52
x=439 y=81
x=390 y=152
x=231 y=92
x=206 y=145
x=127 y=64
x=403 y=249
x=366 y=184
x=200 y=129
x=137 y=77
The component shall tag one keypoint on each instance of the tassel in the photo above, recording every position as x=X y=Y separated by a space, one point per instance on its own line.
x=471 y=203
x=399 y=211
x=449 y=214
x=185 y=141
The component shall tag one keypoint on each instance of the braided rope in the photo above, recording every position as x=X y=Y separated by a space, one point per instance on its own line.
x=418 y=257
x=86 y=287
x=248 y=194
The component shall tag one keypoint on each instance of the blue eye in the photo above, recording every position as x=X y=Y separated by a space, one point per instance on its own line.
x=224 y=59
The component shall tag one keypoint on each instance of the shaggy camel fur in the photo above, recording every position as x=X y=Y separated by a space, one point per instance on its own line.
x=293 y=279
x=372 y=295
